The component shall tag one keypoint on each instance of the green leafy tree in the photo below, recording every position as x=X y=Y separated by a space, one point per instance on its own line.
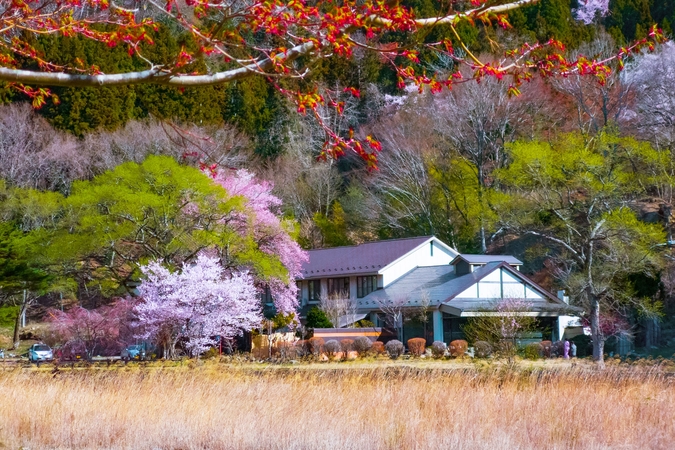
x=334 y=228
x=580 y=197
x=20 y=281
x=157 y=210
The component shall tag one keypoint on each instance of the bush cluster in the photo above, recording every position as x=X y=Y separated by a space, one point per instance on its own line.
x=438 y=349
x=378 y=347
x=483 y=349
x=416 y=346
x=458 y=348
x=347 y=346
x=316 y=345
x=332 y=348
x=362 y=345
x=394 y=348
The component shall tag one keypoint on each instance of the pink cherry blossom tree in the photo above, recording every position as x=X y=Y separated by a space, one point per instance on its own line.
x=273 y=235
x=104 y=330
x=195 y=305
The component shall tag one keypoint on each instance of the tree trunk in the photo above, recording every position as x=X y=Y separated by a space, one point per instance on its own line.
x=596 y=332
x=17 y=325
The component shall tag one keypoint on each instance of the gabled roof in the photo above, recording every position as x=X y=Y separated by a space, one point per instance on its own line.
x=358 y=259
x=484 y=259
x=442 y=285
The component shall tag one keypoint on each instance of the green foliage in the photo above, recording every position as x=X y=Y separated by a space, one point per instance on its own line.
x=333 y=228
x=464 y=200
x=281 y=320
x=8 y=316
x=109 y=225
x=629 y=19
x=581 y=197
x=550 y=19
x=316 y=318
x=532 y=351
x=17 y=272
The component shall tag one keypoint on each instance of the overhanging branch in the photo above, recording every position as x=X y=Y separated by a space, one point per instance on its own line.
x=161 y=75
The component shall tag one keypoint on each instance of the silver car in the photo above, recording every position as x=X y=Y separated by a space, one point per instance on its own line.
x=40 y=352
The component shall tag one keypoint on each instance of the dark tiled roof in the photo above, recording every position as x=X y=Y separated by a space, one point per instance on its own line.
x=484 y=259
x=357 y=259
x=432 y=280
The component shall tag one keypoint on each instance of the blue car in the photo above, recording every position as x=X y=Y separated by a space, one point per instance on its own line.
x=133 y=352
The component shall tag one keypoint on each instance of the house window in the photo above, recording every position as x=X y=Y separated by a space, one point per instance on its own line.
x=266 y=296
x=431 y=248
x=338 y=286
x=314 y=290
x=365 y=285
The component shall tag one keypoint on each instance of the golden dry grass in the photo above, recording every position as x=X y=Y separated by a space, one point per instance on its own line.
x=217 y=406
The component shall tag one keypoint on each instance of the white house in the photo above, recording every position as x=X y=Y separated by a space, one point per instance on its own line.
x=424 y=271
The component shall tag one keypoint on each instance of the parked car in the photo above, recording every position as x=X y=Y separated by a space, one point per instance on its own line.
x=40 y=352
x=133 y=352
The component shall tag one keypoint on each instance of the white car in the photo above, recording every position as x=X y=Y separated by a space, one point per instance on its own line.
x=40 y=352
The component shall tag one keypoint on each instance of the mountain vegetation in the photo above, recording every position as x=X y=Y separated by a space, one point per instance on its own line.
x=109 y=180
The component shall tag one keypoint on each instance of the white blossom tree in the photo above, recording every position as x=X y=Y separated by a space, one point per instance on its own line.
x=196 y=304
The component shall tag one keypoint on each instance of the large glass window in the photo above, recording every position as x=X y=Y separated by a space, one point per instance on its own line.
x=338 y=286
x=365 y=285
x=314 y=290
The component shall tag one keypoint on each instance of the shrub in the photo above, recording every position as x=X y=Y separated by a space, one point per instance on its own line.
x=347 y=346
x=532 y=351
x=557 y=349
x=316 y=318
x=416 y=346
x=332 y=348
x=394 y=348
x=362 y=345
x=316 y=345
x=506 y=348
x=545 y=347
x=378 y=347
x=483 y=349
x=210 y=353
x=302 y=348
x=438 y=349
x=458 y=348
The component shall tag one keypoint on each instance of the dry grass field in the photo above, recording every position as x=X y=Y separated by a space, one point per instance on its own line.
x=386 y=406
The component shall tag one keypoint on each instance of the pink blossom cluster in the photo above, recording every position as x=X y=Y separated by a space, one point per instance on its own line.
x=589 y=9
x=196 y=304
x=270 y=231
x=510 y=309
x=104 y=330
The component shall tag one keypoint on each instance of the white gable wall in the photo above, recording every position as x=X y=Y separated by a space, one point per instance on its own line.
x=500 y=284
x=419 y=257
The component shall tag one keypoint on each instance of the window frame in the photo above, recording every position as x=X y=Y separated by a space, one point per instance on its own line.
x=313 y=285
x=330 y=288
x=360 y=291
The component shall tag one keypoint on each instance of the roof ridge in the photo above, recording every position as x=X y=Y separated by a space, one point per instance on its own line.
x=371 y=242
